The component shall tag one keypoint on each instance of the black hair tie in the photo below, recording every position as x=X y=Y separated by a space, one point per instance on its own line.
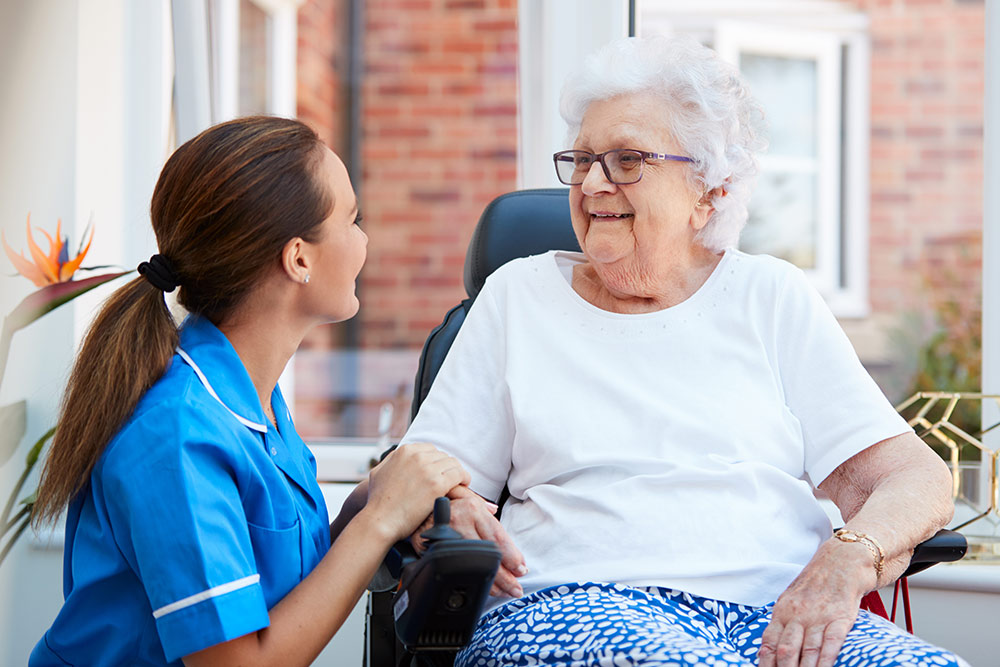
x=160 y=273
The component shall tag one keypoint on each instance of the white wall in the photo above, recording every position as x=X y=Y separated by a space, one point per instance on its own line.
x=82 y=131
x=38 y=43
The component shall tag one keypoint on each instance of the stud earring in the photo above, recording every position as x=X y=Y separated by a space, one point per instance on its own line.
x=306 y=281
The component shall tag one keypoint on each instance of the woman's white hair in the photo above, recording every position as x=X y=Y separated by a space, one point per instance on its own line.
x=708 y=110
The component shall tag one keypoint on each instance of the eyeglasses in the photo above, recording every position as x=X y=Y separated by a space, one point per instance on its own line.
x=622 y=166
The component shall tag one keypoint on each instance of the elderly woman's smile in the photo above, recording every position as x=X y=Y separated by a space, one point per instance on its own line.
x=605 y=215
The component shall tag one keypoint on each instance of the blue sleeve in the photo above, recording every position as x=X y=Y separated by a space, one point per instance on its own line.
x=170 y=482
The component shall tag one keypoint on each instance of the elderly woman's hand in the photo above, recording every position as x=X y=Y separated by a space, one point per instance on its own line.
x=473 y=517
x=812 y=617
x=897 y=489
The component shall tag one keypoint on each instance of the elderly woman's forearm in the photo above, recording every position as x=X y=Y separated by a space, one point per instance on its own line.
x=898 y=492
x=353 y=504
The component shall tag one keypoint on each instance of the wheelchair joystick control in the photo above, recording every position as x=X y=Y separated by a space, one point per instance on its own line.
x=442 y=593
x=441 y=530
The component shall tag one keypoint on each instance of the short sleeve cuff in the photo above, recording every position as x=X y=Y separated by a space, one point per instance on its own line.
x=212 y=621
x=859 y=441
x=481 y=485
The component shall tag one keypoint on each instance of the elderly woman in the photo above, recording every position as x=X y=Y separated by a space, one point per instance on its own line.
x=662 y=408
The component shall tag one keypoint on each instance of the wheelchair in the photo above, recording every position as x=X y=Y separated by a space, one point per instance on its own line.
x=424 y=632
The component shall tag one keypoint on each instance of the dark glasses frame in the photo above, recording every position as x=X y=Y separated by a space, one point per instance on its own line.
x=570 y=157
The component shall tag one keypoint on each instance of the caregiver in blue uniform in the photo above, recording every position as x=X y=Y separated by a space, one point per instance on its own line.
x=196 y=532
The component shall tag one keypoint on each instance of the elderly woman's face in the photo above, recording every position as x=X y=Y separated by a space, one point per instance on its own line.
x=635 y=235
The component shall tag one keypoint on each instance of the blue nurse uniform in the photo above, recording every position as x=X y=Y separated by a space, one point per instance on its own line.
x=198 y=518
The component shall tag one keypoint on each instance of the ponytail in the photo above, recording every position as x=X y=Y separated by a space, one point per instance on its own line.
x=126 y=350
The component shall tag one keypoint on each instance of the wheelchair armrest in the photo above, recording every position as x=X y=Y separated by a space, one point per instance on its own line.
x=944 y=547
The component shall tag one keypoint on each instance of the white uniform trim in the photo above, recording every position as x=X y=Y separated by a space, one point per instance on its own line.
x=213 y=592
x=204 y=380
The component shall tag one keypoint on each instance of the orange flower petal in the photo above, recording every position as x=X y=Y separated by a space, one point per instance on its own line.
x=67 y=270
x=50 y=269
x=55 y=245
x=23 y=266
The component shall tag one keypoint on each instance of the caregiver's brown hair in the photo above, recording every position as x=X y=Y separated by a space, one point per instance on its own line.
x=225 y=205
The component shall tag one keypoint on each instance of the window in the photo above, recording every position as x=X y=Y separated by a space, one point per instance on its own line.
x=807 y=63
x=253 y=50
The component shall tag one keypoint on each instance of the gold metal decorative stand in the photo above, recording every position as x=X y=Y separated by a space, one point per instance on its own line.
x=975 y=481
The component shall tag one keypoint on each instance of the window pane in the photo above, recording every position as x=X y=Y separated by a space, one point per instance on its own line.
x=435 y=140
x=783 y=218
x=254 y=54
x=786 y=88
x=347 y=391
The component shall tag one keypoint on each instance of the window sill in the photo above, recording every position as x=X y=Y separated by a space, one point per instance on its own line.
x=346 y=459
x=968 y=576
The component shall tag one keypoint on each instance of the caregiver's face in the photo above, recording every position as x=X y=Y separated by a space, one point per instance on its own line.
x=633 y=233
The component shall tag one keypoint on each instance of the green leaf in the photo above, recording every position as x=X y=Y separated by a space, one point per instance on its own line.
x=13 y=424
x=49 y=298
x=32 y=458
x=44 y=301
x=29 y=464
x=17 y=534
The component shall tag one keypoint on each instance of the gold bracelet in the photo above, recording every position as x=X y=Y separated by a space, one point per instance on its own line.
x=878 y=553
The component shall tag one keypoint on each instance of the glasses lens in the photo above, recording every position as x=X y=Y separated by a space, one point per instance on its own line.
x=572 y=166
x=625 y=166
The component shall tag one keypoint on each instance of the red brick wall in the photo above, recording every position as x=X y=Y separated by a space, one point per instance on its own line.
x=322 y=69
x=926 y=150
x=440 y=141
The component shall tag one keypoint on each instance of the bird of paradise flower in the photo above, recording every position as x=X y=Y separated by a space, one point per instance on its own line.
x=53 y=272
x=52 y=267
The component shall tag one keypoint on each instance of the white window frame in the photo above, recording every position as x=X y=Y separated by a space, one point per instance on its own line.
x=553 y=37
x=787 y=27
x=207 y=39
x=282 y=55
x=733 y=39
x=991 y=223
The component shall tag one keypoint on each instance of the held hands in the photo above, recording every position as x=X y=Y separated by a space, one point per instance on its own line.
x=403 y=486
x=812 y=617
x=474 y=519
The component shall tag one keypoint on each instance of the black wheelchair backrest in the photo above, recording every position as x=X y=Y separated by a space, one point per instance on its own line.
x=516 y=224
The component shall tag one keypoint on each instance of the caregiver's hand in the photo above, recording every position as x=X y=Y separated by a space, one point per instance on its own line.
x=812 y=617
x=402 y=488
x=473 y=517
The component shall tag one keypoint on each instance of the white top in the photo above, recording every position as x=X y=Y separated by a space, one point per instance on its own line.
x=670 y=449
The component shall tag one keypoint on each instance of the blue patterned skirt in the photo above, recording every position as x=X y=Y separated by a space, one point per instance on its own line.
x=608 y=625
